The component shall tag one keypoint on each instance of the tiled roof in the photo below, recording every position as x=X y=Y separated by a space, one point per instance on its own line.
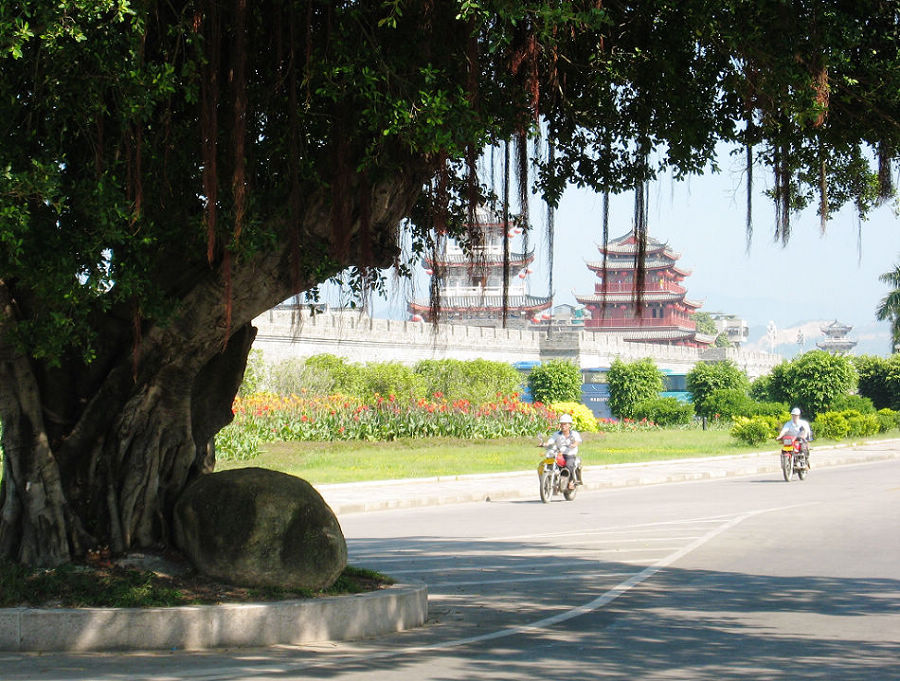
x=628 y=297
x=628 y=244
x=456 y=260
x=492 y=302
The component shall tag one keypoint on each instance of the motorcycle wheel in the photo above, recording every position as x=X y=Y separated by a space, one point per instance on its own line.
x=569 y=494
x=546 y=487
x=787 y=467
x=802 y=473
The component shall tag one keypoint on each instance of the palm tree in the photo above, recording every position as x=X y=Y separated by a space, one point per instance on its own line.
x=889 y=308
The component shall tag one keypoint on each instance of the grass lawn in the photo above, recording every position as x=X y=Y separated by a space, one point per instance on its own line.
x=329 y=462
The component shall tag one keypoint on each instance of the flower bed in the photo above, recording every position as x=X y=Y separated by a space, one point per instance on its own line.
x=265 y=417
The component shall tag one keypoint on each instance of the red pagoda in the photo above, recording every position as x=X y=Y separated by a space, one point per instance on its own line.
x=665 y=315
x=471 y=286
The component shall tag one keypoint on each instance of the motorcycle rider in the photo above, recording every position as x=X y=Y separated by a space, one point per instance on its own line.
x=798 y=427
x=566 y=441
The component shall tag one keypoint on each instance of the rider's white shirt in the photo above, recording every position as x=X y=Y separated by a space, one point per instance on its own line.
x=567 y=445
x=800 y=429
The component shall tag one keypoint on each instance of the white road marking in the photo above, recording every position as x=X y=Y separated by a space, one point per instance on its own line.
x=596 y=604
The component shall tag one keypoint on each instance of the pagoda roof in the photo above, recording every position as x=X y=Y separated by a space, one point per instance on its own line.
x=648 y=297
x=649 y=334
x=836 y=327
x=484 y=303
x=481 y=259
x=654 y=264
x=627 y=245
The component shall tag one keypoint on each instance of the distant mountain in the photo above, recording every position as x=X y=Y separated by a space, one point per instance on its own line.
x=872 y=339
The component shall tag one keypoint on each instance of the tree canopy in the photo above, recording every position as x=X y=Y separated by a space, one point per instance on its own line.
x=169 y=170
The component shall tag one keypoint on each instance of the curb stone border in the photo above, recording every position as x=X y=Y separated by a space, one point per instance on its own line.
x=200 y=627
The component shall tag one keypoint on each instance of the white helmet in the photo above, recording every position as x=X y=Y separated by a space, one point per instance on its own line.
x=565 y=418
x=795 y=411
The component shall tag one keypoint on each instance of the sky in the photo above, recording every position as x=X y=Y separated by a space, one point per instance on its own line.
x=815 y=278
x=811 y=281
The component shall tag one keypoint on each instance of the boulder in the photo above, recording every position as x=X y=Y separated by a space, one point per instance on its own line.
x=256 y=527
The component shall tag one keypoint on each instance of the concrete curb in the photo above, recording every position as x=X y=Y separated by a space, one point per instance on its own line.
x=200 y=627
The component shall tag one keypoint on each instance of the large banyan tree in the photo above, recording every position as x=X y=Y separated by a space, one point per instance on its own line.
x=170 y=169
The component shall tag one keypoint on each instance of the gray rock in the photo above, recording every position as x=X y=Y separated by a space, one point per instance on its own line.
x=256 y=527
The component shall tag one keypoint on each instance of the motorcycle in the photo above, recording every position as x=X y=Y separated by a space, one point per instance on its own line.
x=793 y=458
x=553 y=474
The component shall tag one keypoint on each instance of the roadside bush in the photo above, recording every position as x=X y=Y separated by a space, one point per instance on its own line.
x=555 y=381
x=759 y=388
x=812 y=381
x=345 y=376
x=477 y=381
x=831 y=425
x=728 y=403
x=582 y=417
x=389 y=378
x=860 y=425
x=298 y=377
x=874 y=379
x=704 y=379
x=665 y=411
x=631 y=383
x=856 y=402
x=754 y=430
x=888 y=419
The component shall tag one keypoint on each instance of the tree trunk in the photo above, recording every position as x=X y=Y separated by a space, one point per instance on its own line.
x=114 y=478
x=96 y=455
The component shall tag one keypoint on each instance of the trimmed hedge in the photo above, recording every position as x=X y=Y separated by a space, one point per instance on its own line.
x=665 y=411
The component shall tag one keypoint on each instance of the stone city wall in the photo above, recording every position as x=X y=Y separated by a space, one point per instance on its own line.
x=285 y=334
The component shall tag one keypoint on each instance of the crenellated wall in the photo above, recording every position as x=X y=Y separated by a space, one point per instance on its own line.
x=284 y=334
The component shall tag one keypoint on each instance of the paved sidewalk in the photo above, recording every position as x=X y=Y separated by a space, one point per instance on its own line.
x=387 y=494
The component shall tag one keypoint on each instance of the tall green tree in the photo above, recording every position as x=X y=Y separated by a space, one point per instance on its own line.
x=706 y=378
x=889 y=307
x=631 y=383
x=812 y=381
x=555 y=381
x=170 y=170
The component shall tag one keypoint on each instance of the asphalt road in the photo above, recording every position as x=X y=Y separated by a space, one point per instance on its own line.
x=741 y=578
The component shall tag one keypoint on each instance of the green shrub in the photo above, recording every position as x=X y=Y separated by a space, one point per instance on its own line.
x=704 y=379
x=631 y=383
x=555 y=381
x=582 y=417
x=860 y=425
x=856 y=402
x=389 y=378
x=812 y=381
x=728 y=403
x=664 y=411
x=299 y=377
x=345 y=376
x=874 y=379
x=831 y=425
x=759 y=388
x=888 y=419
x=477 y=381
x=754 y=430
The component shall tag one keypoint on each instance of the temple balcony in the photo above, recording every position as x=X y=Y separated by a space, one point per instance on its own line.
x=636 y=322
x=653 y=286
